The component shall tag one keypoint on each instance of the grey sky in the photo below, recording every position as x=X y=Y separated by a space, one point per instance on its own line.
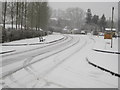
x=97 y=8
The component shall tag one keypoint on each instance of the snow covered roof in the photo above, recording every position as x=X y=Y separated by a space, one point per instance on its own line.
x=75 y=29
x=54 y=19
x=65 y=29
x=109 y=29
x=82 y=31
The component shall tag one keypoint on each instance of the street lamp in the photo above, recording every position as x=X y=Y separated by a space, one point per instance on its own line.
x=112 y=25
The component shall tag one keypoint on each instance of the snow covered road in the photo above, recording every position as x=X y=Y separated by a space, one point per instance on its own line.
x=60 y=65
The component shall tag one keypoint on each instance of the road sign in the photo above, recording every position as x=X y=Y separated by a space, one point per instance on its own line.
x=108 y=36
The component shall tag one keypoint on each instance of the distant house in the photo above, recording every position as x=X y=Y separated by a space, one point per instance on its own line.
x=83 y=32
x=75 y=31
x=53 y=21
x=66 y=29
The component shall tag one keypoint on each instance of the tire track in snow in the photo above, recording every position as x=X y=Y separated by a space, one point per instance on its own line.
x=19 y=68
x=11 y=61
x=27 y=62
x=28 y=67
x=61 y=61
x=39 y=78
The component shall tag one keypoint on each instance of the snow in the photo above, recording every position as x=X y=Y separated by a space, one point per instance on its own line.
x=69 y=68
x=77 y=73
x=109 y=29
x=75 y=29
x=54 y=19
x=105 y=44
x=26 y=43
x=108 y=61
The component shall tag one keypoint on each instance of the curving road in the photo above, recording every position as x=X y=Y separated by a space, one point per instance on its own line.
x=40 y=67
x=17 y=61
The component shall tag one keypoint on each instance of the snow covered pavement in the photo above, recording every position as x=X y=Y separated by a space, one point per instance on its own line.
x=103 y=56
x=105 y=44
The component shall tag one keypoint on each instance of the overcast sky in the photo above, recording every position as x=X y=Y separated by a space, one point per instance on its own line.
x=98 y=8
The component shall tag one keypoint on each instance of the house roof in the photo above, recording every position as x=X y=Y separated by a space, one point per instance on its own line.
x=109 y=29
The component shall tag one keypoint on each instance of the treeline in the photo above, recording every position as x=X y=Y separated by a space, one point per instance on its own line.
x=94 y=22
x=27 y=20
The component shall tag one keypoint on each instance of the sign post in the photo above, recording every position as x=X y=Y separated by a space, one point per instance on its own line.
x=112 y=26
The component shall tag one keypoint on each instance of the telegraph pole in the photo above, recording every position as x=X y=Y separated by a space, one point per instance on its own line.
x=112 y=27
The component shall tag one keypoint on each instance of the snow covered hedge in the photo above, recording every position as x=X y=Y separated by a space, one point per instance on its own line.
x=12 y=35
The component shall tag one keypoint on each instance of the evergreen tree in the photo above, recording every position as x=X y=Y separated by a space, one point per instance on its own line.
x=95 y=19
x=102 y=23
x=88 y=16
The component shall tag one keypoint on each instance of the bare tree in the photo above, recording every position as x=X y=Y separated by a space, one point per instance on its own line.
x=22 y=11
x=25 y=8
x=38 y=15
x=17 y=15
x=4 y=13
x=76 y=17
x=12 y=14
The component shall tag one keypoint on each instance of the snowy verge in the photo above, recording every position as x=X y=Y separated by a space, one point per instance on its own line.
x=48 y=39
x=112 y=52
x=103 y=55
x=28 y=43
x=105 y=44
x=113 y=73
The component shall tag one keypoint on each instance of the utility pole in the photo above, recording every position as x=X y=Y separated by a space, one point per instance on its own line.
x=112 y=27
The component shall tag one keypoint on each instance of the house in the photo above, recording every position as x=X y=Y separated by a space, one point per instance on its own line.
x=66 y=29
x=75 y=31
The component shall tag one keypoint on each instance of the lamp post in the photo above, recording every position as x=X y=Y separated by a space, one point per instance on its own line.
x=112 y=26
